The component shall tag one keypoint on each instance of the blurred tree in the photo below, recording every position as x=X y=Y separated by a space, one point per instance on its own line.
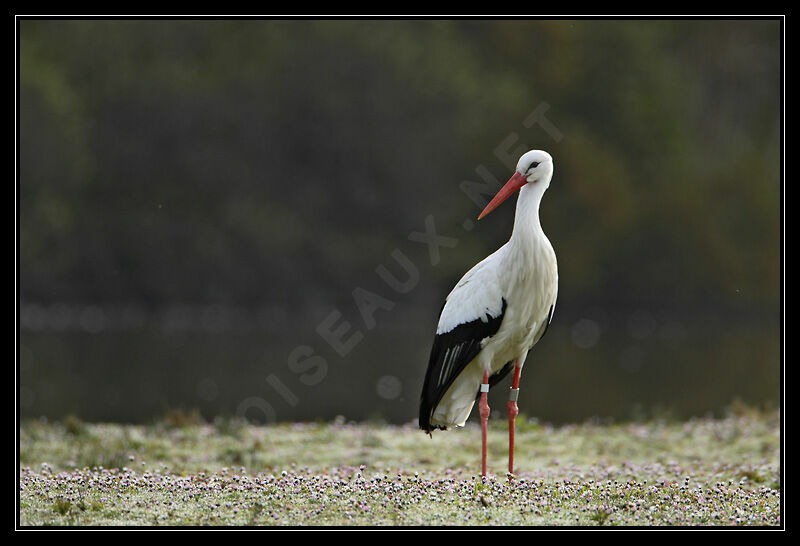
x=254 y=163
x=233 y=160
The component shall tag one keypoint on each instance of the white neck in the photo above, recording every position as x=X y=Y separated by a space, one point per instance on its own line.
x=527 y=228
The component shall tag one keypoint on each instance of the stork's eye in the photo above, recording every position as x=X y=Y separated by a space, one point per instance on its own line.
x=533 y=165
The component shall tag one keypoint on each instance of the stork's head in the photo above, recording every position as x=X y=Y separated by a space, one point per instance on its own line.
x=534 y=168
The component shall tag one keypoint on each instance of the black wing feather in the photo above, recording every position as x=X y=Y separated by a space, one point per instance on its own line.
x=451 y=353
x=546 y=324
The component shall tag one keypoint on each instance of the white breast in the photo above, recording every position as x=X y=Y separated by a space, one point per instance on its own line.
x=530 y=279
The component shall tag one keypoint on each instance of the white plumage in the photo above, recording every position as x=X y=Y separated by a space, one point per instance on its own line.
x=498 y=310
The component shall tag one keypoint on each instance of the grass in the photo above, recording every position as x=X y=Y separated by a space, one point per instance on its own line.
x=182 y=471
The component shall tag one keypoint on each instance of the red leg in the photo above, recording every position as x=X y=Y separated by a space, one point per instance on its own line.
x=483 y=407
x=513 y=411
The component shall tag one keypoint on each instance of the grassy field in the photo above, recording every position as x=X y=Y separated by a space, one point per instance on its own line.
x=184 y=472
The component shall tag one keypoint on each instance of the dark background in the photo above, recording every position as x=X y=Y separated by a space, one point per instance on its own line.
x=197 y=197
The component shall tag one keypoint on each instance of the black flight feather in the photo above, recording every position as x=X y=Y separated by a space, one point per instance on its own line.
x=451 y=353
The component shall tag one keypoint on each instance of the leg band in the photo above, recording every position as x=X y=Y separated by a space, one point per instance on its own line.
x=484 y=387
x=513 y=394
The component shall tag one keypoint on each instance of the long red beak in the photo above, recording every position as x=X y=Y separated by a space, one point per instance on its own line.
x=511 y=187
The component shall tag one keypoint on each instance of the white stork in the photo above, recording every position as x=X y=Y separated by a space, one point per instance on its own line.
x=495 y=314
